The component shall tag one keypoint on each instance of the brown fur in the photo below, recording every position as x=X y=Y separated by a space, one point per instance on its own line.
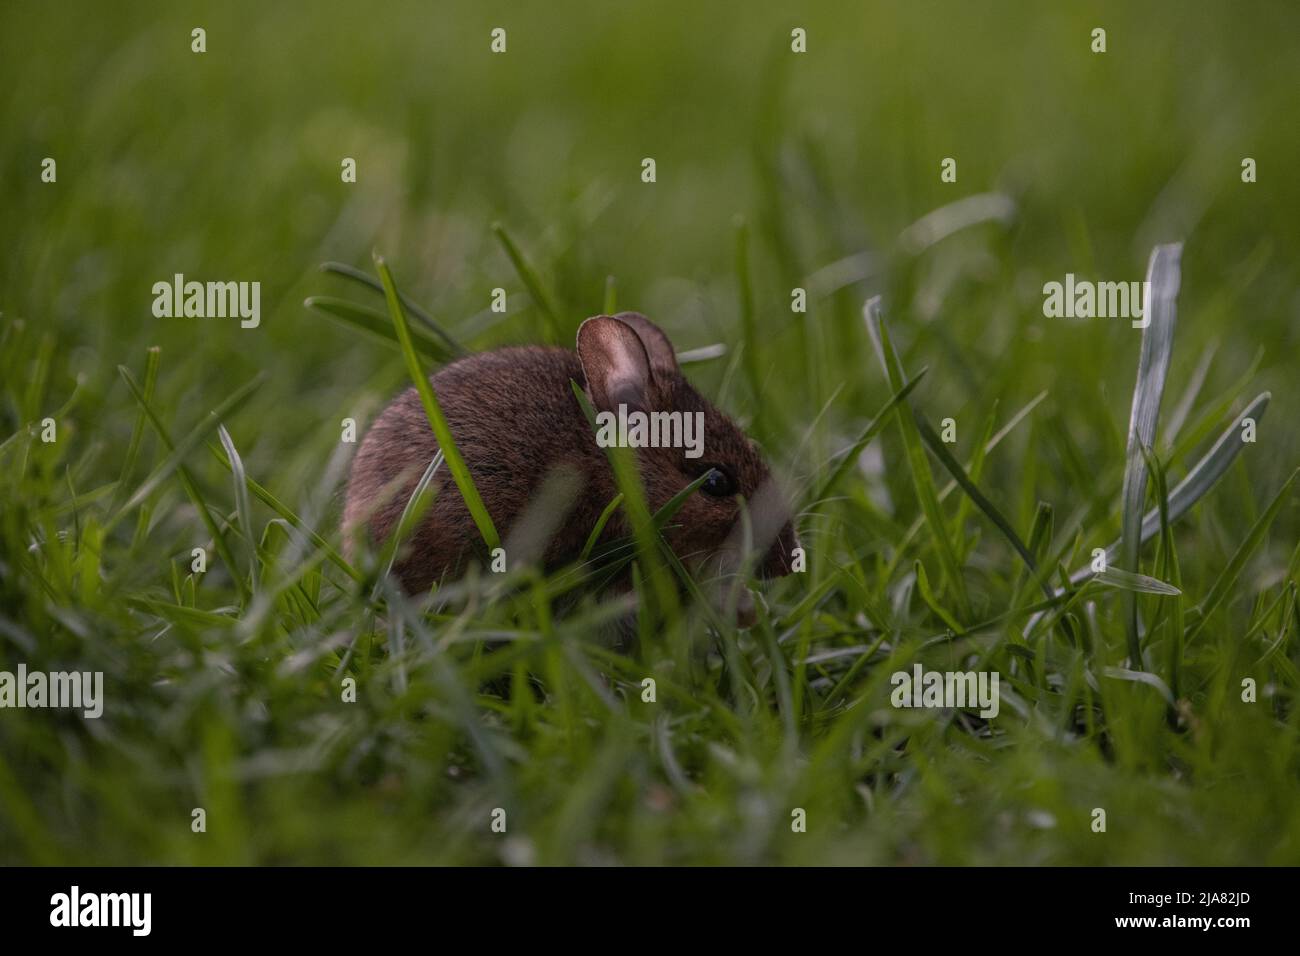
x=515 y=420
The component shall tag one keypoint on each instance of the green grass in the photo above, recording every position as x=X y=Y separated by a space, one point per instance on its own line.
x=225 y=689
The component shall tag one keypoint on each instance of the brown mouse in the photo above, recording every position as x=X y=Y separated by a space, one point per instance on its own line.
x=516 y=423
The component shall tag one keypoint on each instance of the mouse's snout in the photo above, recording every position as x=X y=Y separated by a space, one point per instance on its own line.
x=773 y=521
x=780 y=558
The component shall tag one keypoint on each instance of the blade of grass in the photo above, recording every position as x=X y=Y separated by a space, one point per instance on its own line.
x=26 y=431
x=974 y=471
x=610 y=303
x=187 y=481
x=599 y=526
x=674 y=504
x=705 y=353
x=532 y=282
x=628 y=482
x=375 y=324
x=1133 y=582
x=1198 y=482
x=416 y=507
x=927 y=595
x=1183 y=407
x=1203 y=477
x=915 y=527
x=455 y=463
x=1192 y=435
x=1167 y=567
x=922 y=479
x=186 y=445
x=152 y=360
x=748 y=327
x=339 y=268
x=242 y=505
x=287 y=513
x=1228 y=576
x=1141 y=677
x=1153 y=367
x=1040 y=536
x=873 y=428
x=959 y=475
x=455 y=695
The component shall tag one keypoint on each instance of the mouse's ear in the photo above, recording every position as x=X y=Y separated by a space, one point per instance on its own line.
x=615 y=364
x=663 y=360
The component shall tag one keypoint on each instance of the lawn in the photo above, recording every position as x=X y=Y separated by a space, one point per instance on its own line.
x=315 y=715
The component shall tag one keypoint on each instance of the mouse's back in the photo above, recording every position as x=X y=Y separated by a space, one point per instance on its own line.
x=513 y=416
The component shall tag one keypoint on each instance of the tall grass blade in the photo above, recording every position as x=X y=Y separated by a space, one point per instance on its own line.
x=1163 y=276
x=532 y=282
x=455 y=463
x=599 y=526
x=991 y=512
x=674 y=504
x=371 y=282
x=289 y=515
x=243 y=506
x=1228 y=576
x=1167 y=567
x=151 y=362
x=375 y=324
x=416 y=506
x=1134 y=582
x=186 y=445
x=628 y=481
x=1196 y=485
x=748 y=325
x=705 y=353
x=922 y=479
x=850 y=455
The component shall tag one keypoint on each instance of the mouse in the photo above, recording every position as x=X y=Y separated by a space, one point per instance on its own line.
x=517 y=424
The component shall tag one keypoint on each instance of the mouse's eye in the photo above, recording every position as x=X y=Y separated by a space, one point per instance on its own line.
x=719 y=483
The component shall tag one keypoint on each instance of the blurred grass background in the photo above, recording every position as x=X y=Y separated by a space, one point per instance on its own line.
x=225 y=166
